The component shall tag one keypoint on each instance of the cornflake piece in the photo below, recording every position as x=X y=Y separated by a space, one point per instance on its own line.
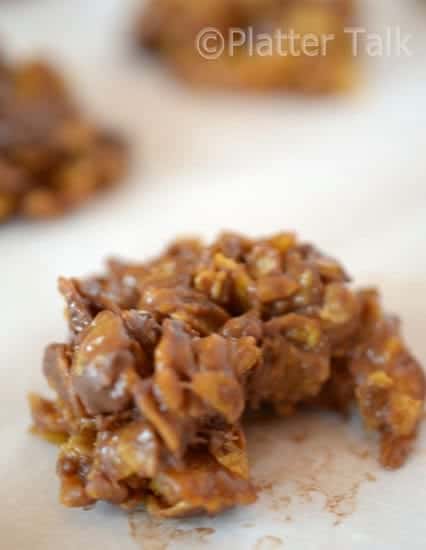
x=299 y=45
x=164 y=357
x=52 y=157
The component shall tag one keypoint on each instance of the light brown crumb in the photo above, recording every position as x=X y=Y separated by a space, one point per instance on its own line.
x=268 y=542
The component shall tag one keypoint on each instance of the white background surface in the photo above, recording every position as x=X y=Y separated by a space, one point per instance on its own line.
x=348 y=173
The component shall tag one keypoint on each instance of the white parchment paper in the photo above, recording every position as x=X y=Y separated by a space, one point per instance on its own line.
x=348 y=173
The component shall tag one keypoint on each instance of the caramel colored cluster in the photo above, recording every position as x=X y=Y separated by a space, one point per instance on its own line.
x=172 y=28
x=166 y=356
x=52 y=158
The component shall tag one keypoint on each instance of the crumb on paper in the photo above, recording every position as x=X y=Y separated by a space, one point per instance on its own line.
x=361 y=452
x=325 y=464
x=156 y=534
x=268 y=542
x=370 y=477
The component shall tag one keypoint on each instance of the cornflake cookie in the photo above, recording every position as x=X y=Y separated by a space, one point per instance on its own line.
x=52 y=157
x=164 y=357
x=190 y=36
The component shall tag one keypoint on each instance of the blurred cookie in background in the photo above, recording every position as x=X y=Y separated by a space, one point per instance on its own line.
x=53 y=158
x=298 y=45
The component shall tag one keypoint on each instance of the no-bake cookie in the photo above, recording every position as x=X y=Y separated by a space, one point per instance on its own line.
x=164 y=358
x=300 y=45
x=53 y=157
